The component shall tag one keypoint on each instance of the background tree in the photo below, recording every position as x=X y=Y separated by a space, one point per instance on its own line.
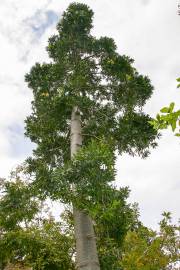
x=89 y=96
x=145 y=249
x=29 y=236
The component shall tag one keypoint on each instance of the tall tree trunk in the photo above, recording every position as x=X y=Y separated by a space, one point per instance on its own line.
x=87 y=258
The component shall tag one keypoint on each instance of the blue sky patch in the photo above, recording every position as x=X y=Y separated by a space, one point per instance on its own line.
x=40 y=21
x=20 y=145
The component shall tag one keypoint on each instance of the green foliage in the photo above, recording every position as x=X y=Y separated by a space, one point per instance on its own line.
x=28 y=238
x=90 y=170
x=168 y=118
x=130 y=124
x=42 y=247
x=145 y=249
x=123 y=242
x=17 y=204
x=113 y=224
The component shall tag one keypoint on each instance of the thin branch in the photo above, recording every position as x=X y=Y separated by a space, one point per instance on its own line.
x=91 y=135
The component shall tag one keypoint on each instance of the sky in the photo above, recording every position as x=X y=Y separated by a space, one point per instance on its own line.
x=146 y=30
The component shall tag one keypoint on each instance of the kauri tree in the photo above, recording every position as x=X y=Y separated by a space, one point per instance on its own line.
x=87 y=107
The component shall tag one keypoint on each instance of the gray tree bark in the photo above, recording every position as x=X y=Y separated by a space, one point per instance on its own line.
x=86 y=257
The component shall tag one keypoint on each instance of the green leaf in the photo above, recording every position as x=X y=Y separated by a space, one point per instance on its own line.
x=178 y=80
x=171 y=107
x=158 y=117
x=173 y=125
x=165 y=110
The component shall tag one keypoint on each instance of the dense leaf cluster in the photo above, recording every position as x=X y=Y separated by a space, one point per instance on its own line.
x=28 y=238
x=16 y=205
x=145 y=249
x=88 y=172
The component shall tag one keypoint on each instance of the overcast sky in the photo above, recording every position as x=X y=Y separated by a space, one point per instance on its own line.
x=146 y=30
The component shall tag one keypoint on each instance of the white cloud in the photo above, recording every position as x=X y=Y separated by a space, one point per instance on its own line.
x=148 y=31
x=154 y=182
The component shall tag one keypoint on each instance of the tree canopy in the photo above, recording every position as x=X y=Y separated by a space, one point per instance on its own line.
x=89 y=73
